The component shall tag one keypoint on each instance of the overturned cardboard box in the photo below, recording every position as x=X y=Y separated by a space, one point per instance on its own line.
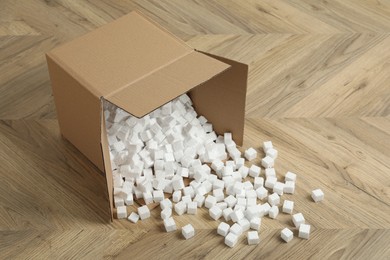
x=139 y=66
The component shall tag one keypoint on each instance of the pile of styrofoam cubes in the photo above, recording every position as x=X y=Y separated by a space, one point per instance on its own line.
x=153 y=155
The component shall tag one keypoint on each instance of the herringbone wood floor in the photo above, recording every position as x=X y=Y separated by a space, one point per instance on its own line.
x=319 y=88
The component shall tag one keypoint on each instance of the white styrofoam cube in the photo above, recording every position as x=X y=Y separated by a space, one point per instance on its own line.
x=267 y=162
x=250 y=154
x=165 y=203
x=118 y=201
x=288 y=206
x=188 y=231
x=215 y=212
x=223 y=229
x=244 y=223
x=148 y=197
x=267 y=145
x=192 y=207
x=254 y=171
x=258 y=182
x=273 y=153
x=270 y=182
x=273 y=212
x=253 y=238
x=231 y=239
x=176 y=196
x=304 y=231
x=187 y=199
x=274 y=199
x=180 y=208
x=264 y=208
x=287 y=235
x=239 y=162
x=278 y=188
x=231 y=201
x=210 y=201
x=158 y=195
x=166 y=213
x=298 y=219
x=121 y=212
x=290 y=176
x=169 y=224
x=237 y=215
x=244 y=171
x=144 y=212
x=199 y=199
x=226 y=213
x=236 y=229
x=218 y=194
x=261 y=193
x=222 y=205
x=270 y=172
x=255 y=223
x=133 y=217
x=289 y=187
x=317 y=195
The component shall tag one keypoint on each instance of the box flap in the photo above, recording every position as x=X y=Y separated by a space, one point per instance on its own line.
x=167 y=83
x=123 y=51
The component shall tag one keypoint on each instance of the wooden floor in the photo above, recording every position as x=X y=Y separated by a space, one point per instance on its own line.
x=319 y=88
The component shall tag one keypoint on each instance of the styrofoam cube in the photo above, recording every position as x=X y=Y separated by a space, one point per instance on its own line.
x=278 y=188
x=226 y=213
x=237 y=215
x=267 y=145
x=236 y=229
x=244 y=223
x=254 y=171
x=274 y=199
x=288 y=206
x=258 y=182
x=287 y=235
x=250 y=154
x=210 y=201
x=273 y=153
x=166 y=213
x=231 y=239
x=253 y=238
x=298 y=219
x=231 y=201
x=267 y=162
x=215 y=212
x=192 y=207
x=144 y=212
x=270 y=172
x=165 y=203
x=121 y=212
x=290 y=176
x=188 y=231
x=273 y=212
x=176 y=196
x=255 y=223
x=180 y=208
x=169 y=224
x=223 y=229
x=261 y=193
x=304 y=231
x=270 y=182
x=218 y=194
x=133 y=217
x=317 y=195
x=158 y=195
x=289 y=187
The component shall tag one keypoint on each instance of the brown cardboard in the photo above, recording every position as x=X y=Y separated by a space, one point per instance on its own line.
x=139 y=66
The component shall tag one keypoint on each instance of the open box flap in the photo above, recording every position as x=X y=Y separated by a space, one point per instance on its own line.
x=167 y=83
x=118 y=53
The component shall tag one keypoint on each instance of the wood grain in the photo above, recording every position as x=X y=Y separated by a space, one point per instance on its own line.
x=318 y=88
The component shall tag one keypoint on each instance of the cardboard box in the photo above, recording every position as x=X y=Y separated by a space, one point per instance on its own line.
x=139 y=66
